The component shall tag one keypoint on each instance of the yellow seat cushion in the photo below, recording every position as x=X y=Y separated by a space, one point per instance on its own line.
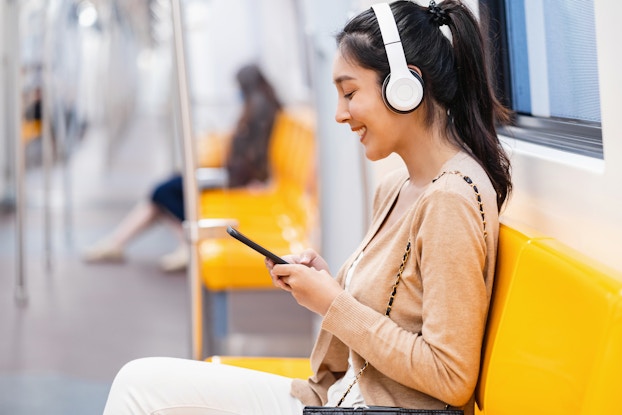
x=291 y=367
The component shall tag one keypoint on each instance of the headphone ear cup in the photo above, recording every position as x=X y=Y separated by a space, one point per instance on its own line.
x=403 y=95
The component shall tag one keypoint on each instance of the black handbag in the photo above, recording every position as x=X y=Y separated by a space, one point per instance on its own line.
x=388 y=410
x=376 y=410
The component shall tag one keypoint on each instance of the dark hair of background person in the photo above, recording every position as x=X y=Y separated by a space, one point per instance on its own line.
x=248 y=155
x=458 y=77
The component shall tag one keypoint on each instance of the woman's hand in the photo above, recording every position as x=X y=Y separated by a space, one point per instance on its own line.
x=307 y=278
x=307 y=257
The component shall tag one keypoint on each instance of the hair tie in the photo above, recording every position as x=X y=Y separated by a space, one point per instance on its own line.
x=438 y=16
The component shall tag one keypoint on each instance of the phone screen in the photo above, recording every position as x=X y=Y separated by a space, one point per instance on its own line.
x=240 y=237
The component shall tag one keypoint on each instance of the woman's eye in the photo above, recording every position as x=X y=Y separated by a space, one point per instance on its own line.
x=348 y=95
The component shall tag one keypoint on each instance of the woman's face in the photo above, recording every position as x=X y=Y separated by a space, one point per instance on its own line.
x=360 y=104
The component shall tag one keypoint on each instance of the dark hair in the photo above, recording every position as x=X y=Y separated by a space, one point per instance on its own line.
x=248 y=155
x=457 y=77
x=251 y=80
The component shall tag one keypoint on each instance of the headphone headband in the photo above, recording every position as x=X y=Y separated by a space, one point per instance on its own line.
x=391 y=38
x=403 y=88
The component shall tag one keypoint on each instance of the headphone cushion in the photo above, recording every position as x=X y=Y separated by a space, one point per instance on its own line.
x=405 y=94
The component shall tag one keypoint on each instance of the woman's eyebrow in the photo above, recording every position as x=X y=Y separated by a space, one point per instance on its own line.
x=342 y=78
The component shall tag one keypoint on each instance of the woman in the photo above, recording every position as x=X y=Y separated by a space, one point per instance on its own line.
x=246 y=165
x=435 y=225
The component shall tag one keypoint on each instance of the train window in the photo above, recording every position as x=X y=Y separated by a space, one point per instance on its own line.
x=547 y=69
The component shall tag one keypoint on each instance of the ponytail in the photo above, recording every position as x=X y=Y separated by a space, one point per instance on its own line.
x=475 y=109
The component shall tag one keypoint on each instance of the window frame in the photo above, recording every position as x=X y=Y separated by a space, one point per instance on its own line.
x=570 y=135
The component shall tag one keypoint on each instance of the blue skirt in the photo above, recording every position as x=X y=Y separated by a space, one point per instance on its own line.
x=169 y=196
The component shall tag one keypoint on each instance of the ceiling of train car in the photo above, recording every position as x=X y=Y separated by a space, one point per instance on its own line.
x=149 y=20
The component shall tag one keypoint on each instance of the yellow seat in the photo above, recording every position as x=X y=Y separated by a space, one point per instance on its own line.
x=292 y=367
x=553 y=343
x=554 y=337
x=282 y=216
x=31 y=130
x=212 y=149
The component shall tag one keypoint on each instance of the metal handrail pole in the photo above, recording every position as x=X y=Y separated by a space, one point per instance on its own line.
x=189 y=183
x=68 y=143
x=48 y=157
x=12 y=24
x=8 y=198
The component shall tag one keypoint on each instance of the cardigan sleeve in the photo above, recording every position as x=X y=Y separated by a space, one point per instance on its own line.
x=442 y=360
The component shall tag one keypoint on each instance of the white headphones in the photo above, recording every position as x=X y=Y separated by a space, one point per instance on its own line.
x=402 y=89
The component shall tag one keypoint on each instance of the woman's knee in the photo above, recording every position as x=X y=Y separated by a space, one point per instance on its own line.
x=139 y=374
x=131 y=386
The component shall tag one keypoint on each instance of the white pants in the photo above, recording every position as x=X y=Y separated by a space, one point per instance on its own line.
x=169 y=386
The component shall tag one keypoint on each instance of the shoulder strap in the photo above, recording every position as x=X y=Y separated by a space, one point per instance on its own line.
x=475 y=189
x=386 y=313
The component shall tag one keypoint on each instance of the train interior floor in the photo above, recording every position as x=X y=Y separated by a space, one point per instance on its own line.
x=61 y=347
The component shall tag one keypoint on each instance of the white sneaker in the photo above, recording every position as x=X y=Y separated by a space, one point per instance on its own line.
x=103 y=252
x=176 y=260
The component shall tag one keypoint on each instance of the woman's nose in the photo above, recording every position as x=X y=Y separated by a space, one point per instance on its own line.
x=341 y=114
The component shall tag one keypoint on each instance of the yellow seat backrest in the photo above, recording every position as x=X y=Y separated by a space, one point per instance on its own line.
x=292 y=151
x=553 y=343
x=31 y=129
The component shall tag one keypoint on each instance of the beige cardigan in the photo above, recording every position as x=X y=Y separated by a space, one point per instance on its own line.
x=427 y=353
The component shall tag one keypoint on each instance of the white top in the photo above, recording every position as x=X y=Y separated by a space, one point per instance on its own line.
x=354 y=398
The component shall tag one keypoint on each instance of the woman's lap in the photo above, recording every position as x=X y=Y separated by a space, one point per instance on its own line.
x=169 y=386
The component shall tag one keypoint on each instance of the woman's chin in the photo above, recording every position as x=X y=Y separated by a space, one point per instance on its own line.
x=373 y=155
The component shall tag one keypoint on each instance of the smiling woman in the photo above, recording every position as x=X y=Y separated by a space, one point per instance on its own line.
x=400 y=104
x=404 y=87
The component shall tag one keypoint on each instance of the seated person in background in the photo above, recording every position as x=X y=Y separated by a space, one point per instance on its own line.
x=246 y=165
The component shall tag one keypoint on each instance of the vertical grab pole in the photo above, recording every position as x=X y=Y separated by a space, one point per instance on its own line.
x=189 y=183
x=8 y=175
x=12 y=24
x=48 y=157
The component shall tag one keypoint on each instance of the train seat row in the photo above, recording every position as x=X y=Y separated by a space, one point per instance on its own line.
x=554 y=337
x=283 y=216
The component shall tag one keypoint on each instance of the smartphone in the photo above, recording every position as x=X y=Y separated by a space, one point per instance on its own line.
x=263 y=251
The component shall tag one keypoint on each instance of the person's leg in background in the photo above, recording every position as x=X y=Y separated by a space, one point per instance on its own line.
x=165 y=200
x=111 y=247
x=169 y=197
